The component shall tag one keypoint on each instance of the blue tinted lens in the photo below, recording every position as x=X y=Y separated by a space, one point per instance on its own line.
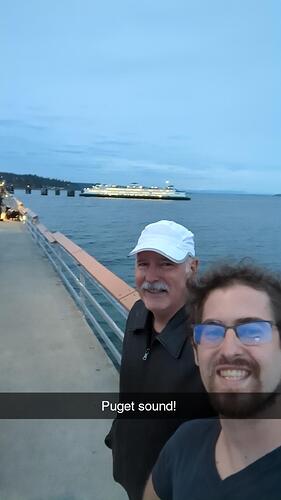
x=254 y=333
x=208 y=334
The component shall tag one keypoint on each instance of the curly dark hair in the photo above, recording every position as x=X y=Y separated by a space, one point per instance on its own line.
x=223 y=275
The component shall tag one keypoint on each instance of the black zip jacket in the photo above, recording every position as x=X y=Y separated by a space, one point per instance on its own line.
x=162 y=363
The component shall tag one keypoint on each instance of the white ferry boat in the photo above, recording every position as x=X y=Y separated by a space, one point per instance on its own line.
x=134 y=190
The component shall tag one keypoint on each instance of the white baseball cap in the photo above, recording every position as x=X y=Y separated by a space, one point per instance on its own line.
x=167 y=238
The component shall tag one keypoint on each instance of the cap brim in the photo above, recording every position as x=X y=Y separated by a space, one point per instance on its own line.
x=176 y=257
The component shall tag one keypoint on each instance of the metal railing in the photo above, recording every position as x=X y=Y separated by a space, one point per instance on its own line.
x=105 y=314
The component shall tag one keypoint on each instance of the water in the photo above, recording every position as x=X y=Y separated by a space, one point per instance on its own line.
x=225 y=226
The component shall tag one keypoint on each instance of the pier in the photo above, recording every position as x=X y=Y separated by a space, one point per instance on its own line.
x=48 y=346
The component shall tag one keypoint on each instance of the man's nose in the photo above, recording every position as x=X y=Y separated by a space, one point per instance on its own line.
x=231 y=344
x=151 y=273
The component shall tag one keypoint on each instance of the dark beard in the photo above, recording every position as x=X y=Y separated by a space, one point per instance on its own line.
x=245 y=405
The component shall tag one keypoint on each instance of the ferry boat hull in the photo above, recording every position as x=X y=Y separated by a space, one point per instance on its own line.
x=135 y=192
x=97 y=195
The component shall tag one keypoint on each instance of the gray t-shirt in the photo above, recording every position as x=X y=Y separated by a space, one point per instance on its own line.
x=186 y=469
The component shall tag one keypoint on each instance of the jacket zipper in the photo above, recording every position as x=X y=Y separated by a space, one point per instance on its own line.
x=145 y=356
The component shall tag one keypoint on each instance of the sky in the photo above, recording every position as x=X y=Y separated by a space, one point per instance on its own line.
x=120 y=91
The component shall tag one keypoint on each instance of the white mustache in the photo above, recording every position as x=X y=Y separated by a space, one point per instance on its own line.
x=156 y=286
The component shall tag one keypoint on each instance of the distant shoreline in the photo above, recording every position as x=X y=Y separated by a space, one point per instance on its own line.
x=21 y=181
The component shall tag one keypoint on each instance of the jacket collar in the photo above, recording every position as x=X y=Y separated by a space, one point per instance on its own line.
x=175 y=333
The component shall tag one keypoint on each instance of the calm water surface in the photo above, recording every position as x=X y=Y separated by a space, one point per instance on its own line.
x=225 y=226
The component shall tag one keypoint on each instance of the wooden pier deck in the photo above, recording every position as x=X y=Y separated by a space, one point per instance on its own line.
x=47 y=346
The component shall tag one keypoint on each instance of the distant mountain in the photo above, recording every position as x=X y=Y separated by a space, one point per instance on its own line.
x=215 y=191
x=20 y=181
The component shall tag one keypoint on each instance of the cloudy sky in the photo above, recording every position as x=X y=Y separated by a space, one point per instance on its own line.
x=143 y=91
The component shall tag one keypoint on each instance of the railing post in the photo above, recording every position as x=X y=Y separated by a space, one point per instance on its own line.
x=82 y=281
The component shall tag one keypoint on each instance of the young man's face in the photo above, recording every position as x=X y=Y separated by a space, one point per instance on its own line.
x=162 y=283
x=233 y=367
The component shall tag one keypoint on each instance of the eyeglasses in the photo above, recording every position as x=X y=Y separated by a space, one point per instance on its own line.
x=249 y=333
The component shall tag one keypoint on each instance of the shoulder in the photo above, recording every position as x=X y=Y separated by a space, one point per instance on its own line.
x=192 y=435
x=136 y=321
x=137 y=316
x=178 y=455
x=193 y=432
x=138 y=306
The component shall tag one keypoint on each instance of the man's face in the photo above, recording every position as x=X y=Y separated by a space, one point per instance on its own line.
x=232 y=367
x=162 y=283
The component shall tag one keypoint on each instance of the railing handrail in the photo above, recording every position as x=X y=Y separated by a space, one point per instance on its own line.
x=118 y=288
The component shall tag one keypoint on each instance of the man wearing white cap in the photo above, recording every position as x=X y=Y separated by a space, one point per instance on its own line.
x=157 y=356
x=165 y=259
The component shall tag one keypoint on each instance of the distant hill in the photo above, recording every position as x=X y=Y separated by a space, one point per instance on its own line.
x=20 y=181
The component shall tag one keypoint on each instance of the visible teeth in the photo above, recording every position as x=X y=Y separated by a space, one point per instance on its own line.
x=230 y=374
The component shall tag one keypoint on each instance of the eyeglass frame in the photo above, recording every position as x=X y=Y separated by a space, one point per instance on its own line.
x=234 y=328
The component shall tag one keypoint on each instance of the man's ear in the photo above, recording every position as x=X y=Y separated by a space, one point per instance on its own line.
x=194 y=265
x=191 y=268
x=195 y=354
